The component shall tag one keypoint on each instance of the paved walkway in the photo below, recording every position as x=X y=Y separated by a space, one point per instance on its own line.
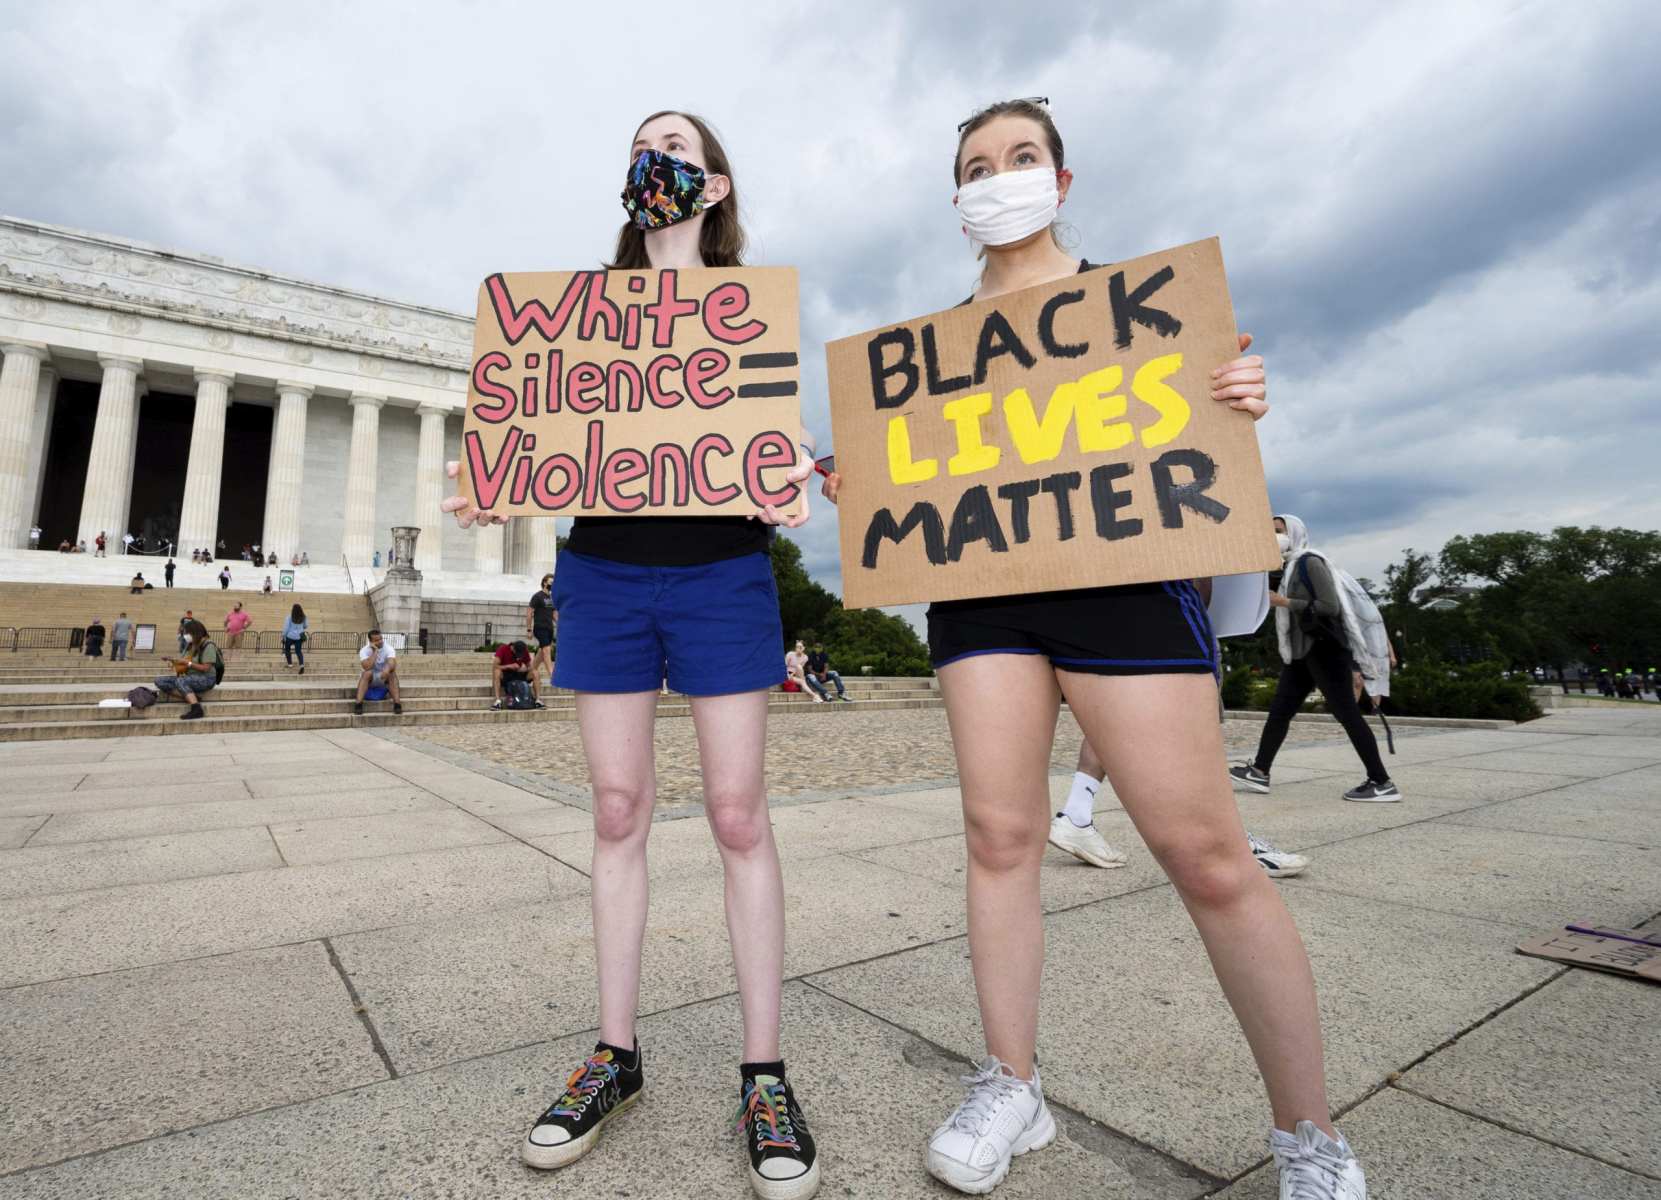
x=334 y=964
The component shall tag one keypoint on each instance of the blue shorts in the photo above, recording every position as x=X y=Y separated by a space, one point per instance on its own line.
x=711 y=630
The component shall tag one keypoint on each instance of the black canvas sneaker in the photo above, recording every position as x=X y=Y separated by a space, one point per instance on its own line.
x=606 y=1083
x=1249 y=777
x=783 y=1162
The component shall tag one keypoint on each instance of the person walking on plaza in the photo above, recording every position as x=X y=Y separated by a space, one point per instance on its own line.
x=98 y=542
x=126 y=543
x=1312 y=618
x=121 y=634
x=819 y=675
x=196 y=674
x=95 y=639
x=378 y=668
x=539 y=624
x=1137 y=667
x=224 y=579
x=167 y=572
x=694 y=596
x=294 y=638
x=34 y=537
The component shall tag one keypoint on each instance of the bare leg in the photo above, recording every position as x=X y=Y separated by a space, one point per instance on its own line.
x=392 y=682
x=363 y=685
x=617 y=742
x=1002 y=710
x=732 y=737
x=1164 y=751
x=1089 y=763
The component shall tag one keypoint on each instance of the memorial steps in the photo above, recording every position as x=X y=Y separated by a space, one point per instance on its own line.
x=73 y=605
x=437 y=690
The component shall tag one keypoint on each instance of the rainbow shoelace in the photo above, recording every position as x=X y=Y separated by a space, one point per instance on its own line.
x=766 y=1105
x=586 y=1081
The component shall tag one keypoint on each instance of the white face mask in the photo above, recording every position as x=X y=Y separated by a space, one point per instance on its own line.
x=1005 y=208
x=1285 y=544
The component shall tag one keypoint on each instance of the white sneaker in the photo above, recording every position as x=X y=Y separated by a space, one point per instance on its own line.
x=1314 y=1167
x=1280 y=864
x=1003 y=1115
x=1083 y=843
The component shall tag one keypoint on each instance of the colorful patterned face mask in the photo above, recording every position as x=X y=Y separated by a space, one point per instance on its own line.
x=662 y=190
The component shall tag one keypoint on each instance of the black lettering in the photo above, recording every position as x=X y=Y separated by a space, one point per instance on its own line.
x=1107 y=500
x=1046 y=327
x=905 y=368
x=884 y=526
x=1133 y=307
x=996 y=338
x=1020 y=494
x=931 y=365
x=975 y=520
x=1173 y=497
x=1062 y=485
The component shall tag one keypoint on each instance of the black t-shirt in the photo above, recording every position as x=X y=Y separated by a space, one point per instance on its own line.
x=818 y=662
x=542 y=613
x=667 y=541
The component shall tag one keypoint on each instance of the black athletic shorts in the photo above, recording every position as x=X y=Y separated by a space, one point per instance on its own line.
x=1139 y=629
x=544 y=637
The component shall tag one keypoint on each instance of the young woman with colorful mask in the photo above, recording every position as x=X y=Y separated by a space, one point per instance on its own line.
x=1005 y=664
x=690 y=599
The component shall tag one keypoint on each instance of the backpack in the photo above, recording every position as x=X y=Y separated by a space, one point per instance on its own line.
x=141 y=697
x=218 y=663
x=518 y=693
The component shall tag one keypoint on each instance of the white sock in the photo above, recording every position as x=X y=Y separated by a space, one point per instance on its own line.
x=1081 y=801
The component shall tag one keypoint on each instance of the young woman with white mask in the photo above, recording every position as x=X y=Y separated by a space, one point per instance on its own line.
x=1004 y=666
x=641 y=599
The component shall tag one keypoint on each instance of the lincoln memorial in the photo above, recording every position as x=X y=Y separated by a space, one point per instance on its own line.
x=185 y=400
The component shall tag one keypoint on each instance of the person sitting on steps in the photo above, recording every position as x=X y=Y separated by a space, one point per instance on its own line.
x=380 y=670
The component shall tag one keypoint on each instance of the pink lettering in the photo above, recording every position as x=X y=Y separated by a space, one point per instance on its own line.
x=702 y=366
x=724 y=303
x=514 y=321
x=484 y=385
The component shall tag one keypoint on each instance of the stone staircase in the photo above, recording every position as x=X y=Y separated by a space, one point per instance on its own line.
x=27 y=607
x=57 y=697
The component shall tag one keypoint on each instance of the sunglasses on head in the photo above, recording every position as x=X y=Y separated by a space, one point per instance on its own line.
x=1041 y=101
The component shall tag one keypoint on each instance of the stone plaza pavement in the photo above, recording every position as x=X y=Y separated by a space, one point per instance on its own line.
x=340 y=964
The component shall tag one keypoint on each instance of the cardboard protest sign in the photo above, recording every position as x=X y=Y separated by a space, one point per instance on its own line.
x=605 y=393
x=1059 y=437
x=1630 y=952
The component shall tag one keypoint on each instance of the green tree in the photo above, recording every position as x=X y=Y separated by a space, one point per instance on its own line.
x=855 y=638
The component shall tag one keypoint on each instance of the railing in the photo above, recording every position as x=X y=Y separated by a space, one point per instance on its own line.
x=39 y=638
x=454 y=643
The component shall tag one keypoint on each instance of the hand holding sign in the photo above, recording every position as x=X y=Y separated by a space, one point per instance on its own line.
x=606 y=393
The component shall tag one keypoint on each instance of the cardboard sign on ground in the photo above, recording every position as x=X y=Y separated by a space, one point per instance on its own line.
x=610 y=393
x=1059 y=437
x=1630 y=952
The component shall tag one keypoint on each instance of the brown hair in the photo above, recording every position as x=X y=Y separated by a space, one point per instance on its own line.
x=721 y=241
x=1012 y=108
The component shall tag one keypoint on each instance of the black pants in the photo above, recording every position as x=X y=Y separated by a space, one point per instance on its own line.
x=1327 y=666
x=295 y=647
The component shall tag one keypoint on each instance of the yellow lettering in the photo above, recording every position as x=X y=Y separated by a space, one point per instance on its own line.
x=973 y=454
x=1151 y=389
x=900 y=467
x=1040 y=441
x=1100 y=405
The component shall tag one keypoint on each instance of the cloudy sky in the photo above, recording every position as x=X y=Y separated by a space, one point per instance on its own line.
x=1442 y=221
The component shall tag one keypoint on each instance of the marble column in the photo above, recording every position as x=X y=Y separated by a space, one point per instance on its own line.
x=358 y=540
x=199 y=512
x=431 y=487
x=535 y=544
x=110 y=462
x=286 y=474
x=488 y=547
x=40 y=442
x=19 y=386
